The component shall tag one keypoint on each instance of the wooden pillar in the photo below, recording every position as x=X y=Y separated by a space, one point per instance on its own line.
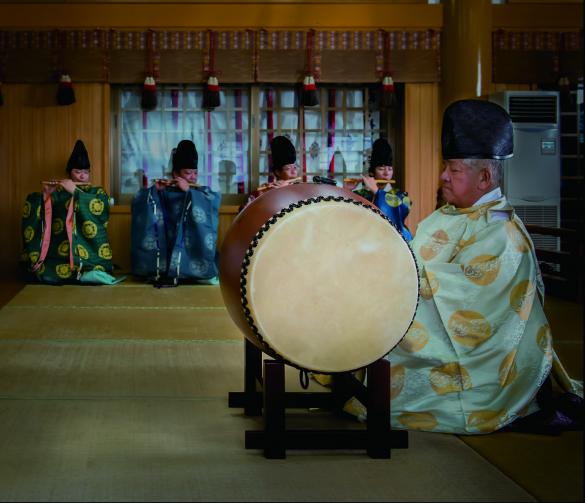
x=466 y=50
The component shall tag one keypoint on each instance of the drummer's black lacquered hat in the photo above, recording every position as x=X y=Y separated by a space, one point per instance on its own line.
x=283 y=152
x=476 y=129
x=185 y=156
x=78 y=158
x=381 y=154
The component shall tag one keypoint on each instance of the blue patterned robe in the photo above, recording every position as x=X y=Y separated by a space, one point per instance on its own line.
x=174 y=234
x=395 y=204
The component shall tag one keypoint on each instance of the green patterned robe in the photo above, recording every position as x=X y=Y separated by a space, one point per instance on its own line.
x=480 y=345
x=87 y=250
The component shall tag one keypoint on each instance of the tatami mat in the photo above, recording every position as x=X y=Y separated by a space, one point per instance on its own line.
x=193 y=450
x=111 y=404
x=123 y=295
x=149 y=369
x=128 y=322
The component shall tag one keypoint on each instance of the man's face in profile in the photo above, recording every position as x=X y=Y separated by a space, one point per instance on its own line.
x=460 y=183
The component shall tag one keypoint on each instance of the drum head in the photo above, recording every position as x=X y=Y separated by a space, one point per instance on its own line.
x=330 y=285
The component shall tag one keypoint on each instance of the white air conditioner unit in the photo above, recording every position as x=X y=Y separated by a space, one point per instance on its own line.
x=532 y=177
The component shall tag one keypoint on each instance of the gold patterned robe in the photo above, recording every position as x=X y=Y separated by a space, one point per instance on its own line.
x=480 y=345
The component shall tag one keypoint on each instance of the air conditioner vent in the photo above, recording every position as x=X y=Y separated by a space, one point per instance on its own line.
x=533 y=109
x=544 y=216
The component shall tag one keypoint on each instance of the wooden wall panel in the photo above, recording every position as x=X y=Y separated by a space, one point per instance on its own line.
x=262 y=14
x=422 y=149
x=36 y=139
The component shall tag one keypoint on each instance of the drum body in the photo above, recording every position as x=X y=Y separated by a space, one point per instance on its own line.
x=317 y=276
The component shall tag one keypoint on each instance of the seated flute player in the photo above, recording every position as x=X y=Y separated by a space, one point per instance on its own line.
x=479 y=354
x=65 y=228
x=174 y=226
x=283 y=167
x=377 y=187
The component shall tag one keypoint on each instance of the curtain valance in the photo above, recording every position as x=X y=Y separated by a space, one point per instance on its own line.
x=525 y=57
x=244 y=56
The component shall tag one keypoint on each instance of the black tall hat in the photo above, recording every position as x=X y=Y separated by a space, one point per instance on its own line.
x=78 y=158
x=381 y=154
x=476 y=129
x=185 y=156
x=283 y=152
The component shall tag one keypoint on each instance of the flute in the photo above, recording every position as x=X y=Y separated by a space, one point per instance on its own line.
x=172 y=182
x=56 y=182
x=357 y=180
x=285 y=182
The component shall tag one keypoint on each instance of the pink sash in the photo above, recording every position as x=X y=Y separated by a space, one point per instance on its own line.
x=46 y=239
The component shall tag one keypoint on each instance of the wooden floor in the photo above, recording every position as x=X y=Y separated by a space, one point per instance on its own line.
x=547 y=468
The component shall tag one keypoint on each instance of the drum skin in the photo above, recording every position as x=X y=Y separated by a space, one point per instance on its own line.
x=240 y=236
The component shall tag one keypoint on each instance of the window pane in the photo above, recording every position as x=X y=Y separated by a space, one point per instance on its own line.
x=172 y=98
x=339 y=122
x=355 y=120
x=288 y=98
x=373 y=120
x=289 y=120
x=152 y=121
x=132 y=121
x=354 y=98
x=219 y=121
x=194 y=122
x=264 y=120
x=312 y=119
x=267 y=98
x=130 y=99
x=194 y=99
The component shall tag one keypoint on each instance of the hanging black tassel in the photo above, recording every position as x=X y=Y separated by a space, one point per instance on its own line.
x=388 y=94
x=310 y=93
x=65 y=92
x=211 y=97
x=149 y=99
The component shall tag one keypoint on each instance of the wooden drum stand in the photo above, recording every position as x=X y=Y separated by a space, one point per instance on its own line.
x=377 y=438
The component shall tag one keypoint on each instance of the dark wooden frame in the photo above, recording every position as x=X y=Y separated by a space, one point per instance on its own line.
x=264 y=393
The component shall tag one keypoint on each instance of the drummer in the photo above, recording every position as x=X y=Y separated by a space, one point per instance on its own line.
x=478 y=355
x=394 y=203
x=284 y=167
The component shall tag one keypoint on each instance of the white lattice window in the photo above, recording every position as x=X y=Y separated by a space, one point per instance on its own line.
x=332 y=139
x=144 y=140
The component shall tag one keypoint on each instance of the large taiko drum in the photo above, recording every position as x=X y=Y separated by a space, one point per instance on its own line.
x=317 y=276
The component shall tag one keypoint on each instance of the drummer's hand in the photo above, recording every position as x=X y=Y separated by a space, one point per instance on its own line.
x=182 y=183
x=68 y=185
x=370 y=183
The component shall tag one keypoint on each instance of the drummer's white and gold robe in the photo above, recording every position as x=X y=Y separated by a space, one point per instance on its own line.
x=480 y=345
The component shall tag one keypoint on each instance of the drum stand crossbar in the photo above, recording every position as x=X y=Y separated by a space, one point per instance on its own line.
x=377 y=439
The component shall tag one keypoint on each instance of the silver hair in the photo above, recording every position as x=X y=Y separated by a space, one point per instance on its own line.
x=495 y=167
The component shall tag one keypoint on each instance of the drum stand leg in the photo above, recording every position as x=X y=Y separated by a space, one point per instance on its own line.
x=250 y=398
x=274 y=415
x=378 y=439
